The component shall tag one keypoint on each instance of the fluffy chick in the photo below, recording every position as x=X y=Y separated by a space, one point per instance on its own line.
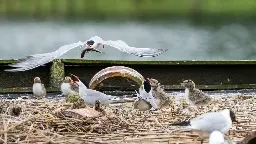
x=39 y=90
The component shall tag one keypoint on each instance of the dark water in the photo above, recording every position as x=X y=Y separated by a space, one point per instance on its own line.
x=185 y=40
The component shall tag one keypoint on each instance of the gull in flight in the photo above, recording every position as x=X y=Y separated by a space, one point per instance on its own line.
x=36 y=60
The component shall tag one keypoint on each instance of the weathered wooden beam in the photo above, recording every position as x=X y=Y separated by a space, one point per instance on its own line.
x=131 y=89
x=185 y=62
x=209 y=75
x=57 y=73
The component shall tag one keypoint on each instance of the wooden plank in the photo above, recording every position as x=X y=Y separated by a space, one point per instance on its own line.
x=209 y=75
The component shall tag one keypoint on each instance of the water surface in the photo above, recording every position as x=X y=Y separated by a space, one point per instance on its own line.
x=185 y=40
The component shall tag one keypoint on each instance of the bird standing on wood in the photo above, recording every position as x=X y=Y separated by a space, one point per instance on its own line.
x=39 y=90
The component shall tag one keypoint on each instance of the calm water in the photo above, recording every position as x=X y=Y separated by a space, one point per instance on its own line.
x=185 y=41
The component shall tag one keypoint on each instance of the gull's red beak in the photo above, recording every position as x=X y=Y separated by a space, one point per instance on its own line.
x=88 y=46
x=75 y=83
x=149 y=81
x=102 y=46
x=76 y=77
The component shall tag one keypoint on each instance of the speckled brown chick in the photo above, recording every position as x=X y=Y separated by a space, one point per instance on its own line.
x=163 y=99
x=195 y=96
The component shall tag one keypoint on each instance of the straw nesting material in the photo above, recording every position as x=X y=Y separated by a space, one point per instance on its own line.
x=40 y=121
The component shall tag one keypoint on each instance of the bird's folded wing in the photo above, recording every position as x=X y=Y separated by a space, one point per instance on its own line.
x=96 y=94
x=37 y=60
x=124 y=47
x=209 y=122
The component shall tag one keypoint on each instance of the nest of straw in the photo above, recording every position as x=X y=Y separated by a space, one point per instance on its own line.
x=39 y=121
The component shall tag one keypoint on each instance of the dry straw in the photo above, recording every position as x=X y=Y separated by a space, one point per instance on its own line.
x=43 y=121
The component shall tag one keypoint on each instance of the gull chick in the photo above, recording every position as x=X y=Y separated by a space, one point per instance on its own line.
x=145 y=100
x=163 y=99
x=91 y=96
x=68 y=87
x=208 y=122
x=194 y=96
x=38 y=88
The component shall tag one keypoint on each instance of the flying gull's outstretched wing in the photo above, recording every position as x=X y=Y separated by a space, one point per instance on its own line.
x=37 y=60
x=122 y=46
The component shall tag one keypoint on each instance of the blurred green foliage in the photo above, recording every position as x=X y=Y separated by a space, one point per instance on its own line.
x=126 y=8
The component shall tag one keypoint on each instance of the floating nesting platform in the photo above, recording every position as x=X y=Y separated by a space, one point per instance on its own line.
x=41 y=121
x=210 y=75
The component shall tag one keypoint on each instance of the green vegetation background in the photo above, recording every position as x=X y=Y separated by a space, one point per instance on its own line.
x=127 y=8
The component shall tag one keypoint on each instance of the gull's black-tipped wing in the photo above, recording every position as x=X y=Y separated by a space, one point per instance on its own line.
x=37 y=60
